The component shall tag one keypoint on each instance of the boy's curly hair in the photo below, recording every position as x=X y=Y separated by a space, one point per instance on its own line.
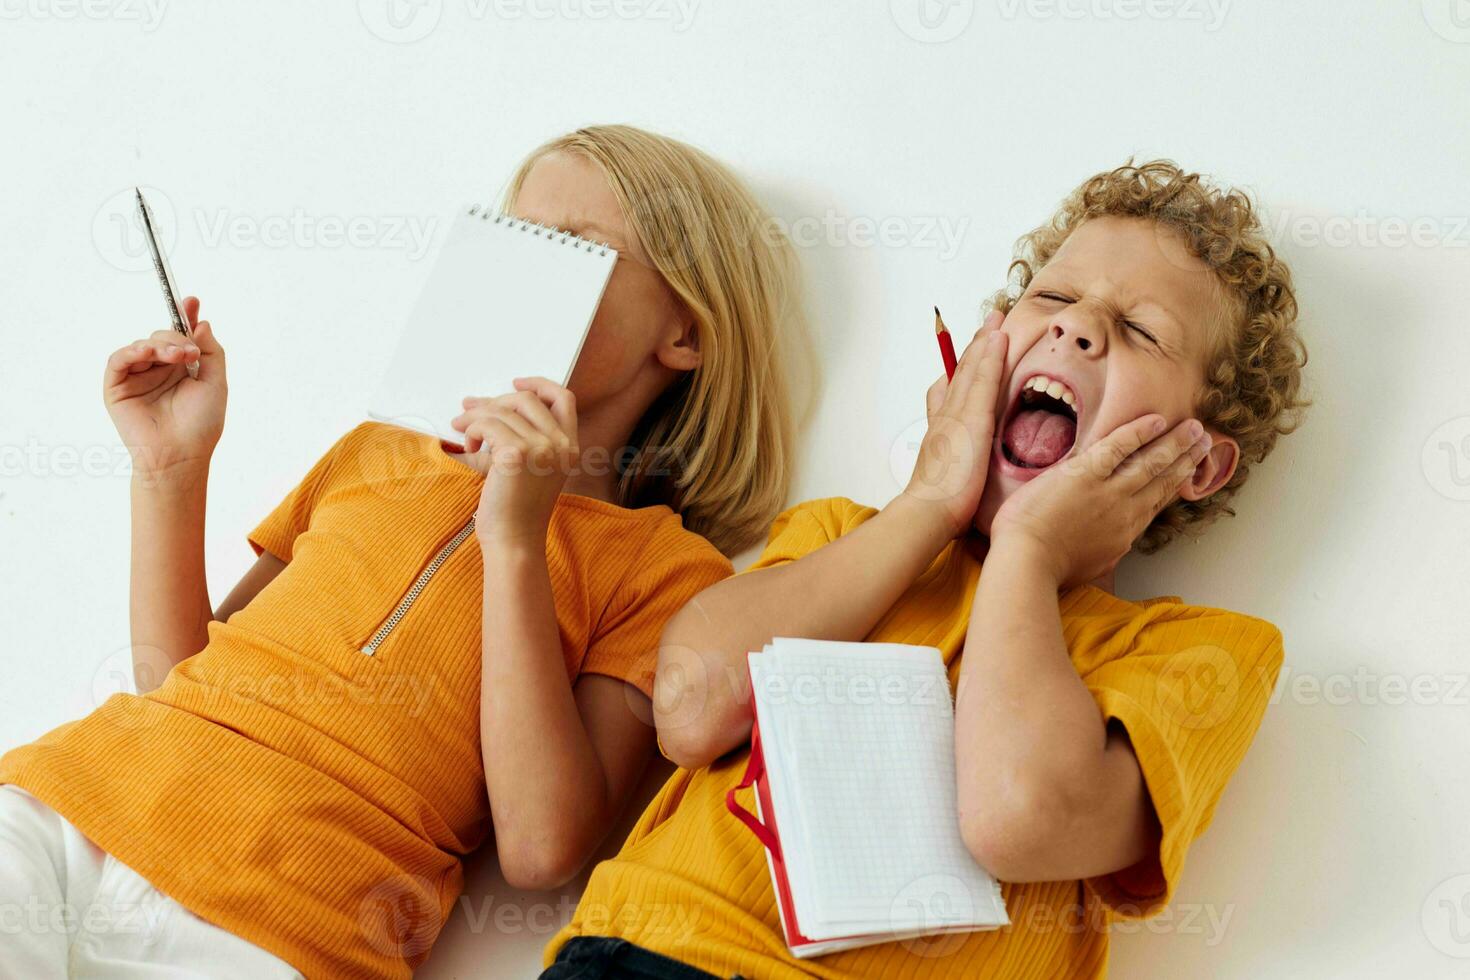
x=1253 y=374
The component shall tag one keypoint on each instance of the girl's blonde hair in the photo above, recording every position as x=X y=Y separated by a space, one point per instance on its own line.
x=717 y=445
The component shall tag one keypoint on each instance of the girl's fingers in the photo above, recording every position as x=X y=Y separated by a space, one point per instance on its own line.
x=523 y=428
x=135 y=359
x=528 y=406
x=561 y=402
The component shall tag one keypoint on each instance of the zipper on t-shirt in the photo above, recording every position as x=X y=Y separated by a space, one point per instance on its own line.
x=383 y=631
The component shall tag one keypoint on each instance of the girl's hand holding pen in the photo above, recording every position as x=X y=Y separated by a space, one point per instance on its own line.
x=169 y=421
x=954 y=458
x=526 y=445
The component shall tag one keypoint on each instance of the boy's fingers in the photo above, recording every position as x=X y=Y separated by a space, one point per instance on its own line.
x=1162 y=488
x=1158 y=457
x=1112 y=450
x=191 y=310
x=934 y=397
x=980 y=408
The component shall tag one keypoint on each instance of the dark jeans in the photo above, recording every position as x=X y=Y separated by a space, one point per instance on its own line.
x=603 y=958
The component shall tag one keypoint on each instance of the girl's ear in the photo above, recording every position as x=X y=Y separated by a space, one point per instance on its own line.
x=1215 y=470
x=679 y=350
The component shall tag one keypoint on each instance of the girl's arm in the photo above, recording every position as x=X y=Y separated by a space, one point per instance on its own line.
x=170 y=424
x=559 y=763
x=840 y=591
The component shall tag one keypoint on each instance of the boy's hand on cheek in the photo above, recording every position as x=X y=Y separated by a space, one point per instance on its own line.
x=526 y=445
x=1080 y=517
x=954 y=458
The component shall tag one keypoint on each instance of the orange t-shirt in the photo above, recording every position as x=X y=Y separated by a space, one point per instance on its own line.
x=1189 y=683
x=312 y=798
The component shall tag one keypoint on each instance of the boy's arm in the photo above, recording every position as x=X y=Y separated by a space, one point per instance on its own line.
x=841 y=590
x=1046 y=790
x=838 y=592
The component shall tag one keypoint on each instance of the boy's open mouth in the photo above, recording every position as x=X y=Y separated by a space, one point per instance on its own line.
x=1041 y=425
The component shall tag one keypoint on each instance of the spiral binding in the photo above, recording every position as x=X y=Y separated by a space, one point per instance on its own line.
x=561 y=237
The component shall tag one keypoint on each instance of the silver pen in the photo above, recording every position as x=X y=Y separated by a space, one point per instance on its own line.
x=165 y=278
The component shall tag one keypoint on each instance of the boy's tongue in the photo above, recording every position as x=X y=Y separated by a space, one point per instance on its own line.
x=1039 y=438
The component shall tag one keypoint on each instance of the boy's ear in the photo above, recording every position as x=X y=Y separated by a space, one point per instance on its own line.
x=1215 y=470
x=680 y=348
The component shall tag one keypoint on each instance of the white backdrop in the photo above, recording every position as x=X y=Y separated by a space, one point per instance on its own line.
x=303 y=155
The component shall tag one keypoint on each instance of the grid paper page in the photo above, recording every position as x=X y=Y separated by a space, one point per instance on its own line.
x=863 y=736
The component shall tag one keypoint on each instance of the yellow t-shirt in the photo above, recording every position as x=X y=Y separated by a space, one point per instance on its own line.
x=316 y=800
x=1189 y=683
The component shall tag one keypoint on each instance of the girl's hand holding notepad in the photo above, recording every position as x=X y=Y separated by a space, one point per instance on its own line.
x=526 y=445
x=954 y=458
x=169 y=421
x=1082 y=515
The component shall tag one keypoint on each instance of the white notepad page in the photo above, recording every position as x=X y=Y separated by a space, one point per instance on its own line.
x=859 y=748
x=504 y=299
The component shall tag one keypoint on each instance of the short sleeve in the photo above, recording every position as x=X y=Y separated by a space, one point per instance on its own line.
x=1190 y=693
x=672 y=568
x=277 y=531
x=804 y=528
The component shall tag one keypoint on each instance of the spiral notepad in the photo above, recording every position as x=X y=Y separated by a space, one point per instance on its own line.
x=505 y=298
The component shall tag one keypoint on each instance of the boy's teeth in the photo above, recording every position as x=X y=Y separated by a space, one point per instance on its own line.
x=1053 y=388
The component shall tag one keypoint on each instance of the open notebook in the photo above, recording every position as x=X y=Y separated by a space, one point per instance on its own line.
x=853 y=767
x=505 y=299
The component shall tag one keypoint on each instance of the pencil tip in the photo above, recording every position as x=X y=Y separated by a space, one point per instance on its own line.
x=938 y=321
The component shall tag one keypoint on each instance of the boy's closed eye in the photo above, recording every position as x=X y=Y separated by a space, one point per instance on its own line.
x=1054 y=297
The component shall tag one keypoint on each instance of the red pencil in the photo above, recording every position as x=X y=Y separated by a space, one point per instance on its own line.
x=946 y=344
